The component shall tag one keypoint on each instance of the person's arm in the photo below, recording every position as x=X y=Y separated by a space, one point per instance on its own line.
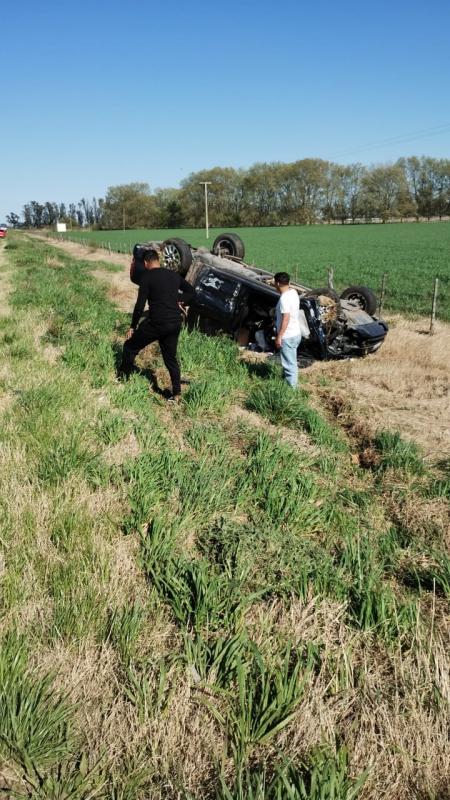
x=188 y=292
x=139 y=307
x=283 y=327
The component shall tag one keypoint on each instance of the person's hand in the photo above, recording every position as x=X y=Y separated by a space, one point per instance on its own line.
x=184 y=309
x=278 y=342
x=129 y=334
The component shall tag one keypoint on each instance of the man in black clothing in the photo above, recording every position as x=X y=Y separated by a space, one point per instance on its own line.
x=165 y=291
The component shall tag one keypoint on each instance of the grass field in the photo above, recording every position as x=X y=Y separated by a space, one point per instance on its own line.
x=411 y=255
x=234 y=599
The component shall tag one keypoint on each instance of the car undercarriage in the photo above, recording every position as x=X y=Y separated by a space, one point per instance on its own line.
x=239 y=300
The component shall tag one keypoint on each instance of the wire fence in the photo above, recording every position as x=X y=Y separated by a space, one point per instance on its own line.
x=126 y=248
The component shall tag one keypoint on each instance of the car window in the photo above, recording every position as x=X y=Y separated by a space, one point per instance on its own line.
x=217 y=291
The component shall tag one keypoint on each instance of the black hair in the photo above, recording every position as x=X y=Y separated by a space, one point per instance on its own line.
x=282 y=278
x=150 y=255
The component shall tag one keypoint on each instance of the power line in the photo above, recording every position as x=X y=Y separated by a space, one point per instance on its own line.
x=408 y=137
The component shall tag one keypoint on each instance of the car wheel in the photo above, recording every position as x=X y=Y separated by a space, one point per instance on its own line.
x=228 y=244
x=177 y=255
x=361 y=296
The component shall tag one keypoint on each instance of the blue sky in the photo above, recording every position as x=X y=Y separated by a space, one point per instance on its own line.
x=100 y=93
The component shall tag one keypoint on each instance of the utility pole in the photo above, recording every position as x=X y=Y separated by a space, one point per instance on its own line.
x=206 y=184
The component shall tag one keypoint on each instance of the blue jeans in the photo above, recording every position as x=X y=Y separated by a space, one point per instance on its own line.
x=288 y=355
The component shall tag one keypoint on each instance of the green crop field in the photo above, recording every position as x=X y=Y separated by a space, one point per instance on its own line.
x=218 y=601
x=412 y=255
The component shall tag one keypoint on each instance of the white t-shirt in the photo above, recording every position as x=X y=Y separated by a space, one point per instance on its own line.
x=289 y=303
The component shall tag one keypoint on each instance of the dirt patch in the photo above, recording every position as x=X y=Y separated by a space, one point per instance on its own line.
x=300 y=441
x=6 y=400
x=128 y=447
x=87 y=253
x=52 y=353
x=420 y=519
x=120 y=290
x=404 y=387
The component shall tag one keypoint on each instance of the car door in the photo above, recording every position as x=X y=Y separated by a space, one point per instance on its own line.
x=216 y=299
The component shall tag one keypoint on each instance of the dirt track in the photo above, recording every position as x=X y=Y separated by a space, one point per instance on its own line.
x=404 y=387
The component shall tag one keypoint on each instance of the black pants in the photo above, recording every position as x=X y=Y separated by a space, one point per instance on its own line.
x=167 y=337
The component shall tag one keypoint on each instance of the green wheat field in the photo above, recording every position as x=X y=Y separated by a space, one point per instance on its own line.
x=412 y=256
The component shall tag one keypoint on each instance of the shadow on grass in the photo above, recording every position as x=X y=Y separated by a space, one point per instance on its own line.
x=260 y=369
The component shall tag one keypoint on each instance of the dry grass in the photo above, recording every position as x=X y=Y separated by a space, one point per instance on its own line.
x=297 y=439
x=119 y=289
x=128 y=447
x=426 y=520
x=53 y=262
x=378 y=700
x=404 y=387
x=82 y=251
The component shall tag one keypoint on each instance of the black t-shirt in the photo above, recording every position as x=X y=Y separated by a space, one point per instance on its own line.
x=163 y=290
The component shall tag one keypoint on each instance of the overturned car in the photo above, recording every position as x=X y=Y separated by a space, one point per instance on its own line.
x=239 y=300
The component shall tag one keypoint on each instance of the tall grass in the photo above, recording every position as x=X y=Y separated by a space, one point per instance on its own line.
x=321 y=776
x=282 y=406
x=36 y=729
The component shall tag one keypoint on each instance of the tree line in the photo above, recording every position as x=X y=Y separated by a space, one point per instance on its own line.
x=44 y=215
x=301 y=192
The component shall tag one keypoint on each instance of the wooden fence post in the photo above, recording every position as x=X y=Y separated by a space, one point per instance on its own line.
x=330 y=277
x=382 y=292
x=433 y=307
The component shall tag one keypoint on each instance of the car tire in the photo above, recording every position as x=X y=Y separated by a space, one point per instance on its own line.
x=228 y=244
x=363 y=296
x=177 y=255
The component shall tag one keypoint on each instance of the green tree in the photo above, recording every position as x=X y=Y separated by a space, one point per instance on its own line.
x=50 y=213
x=303 y=189
x=128 y=205
x=13 y=219
x=225 y=197
x=262 y=192
x=73 y=218
x=37 y=213
x=333 y=203
x=27 y=216
x=383 y=188
x=169 y=212
x=441 y=187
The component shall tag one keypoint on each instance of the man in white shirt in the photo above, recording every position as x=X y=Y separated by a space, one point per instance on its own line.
x=288 y=327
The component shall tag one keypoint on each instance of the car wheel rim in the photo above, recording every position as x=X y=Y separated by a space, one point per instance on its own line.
x=172 y=258
x=358 y=300
x=224 y=247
